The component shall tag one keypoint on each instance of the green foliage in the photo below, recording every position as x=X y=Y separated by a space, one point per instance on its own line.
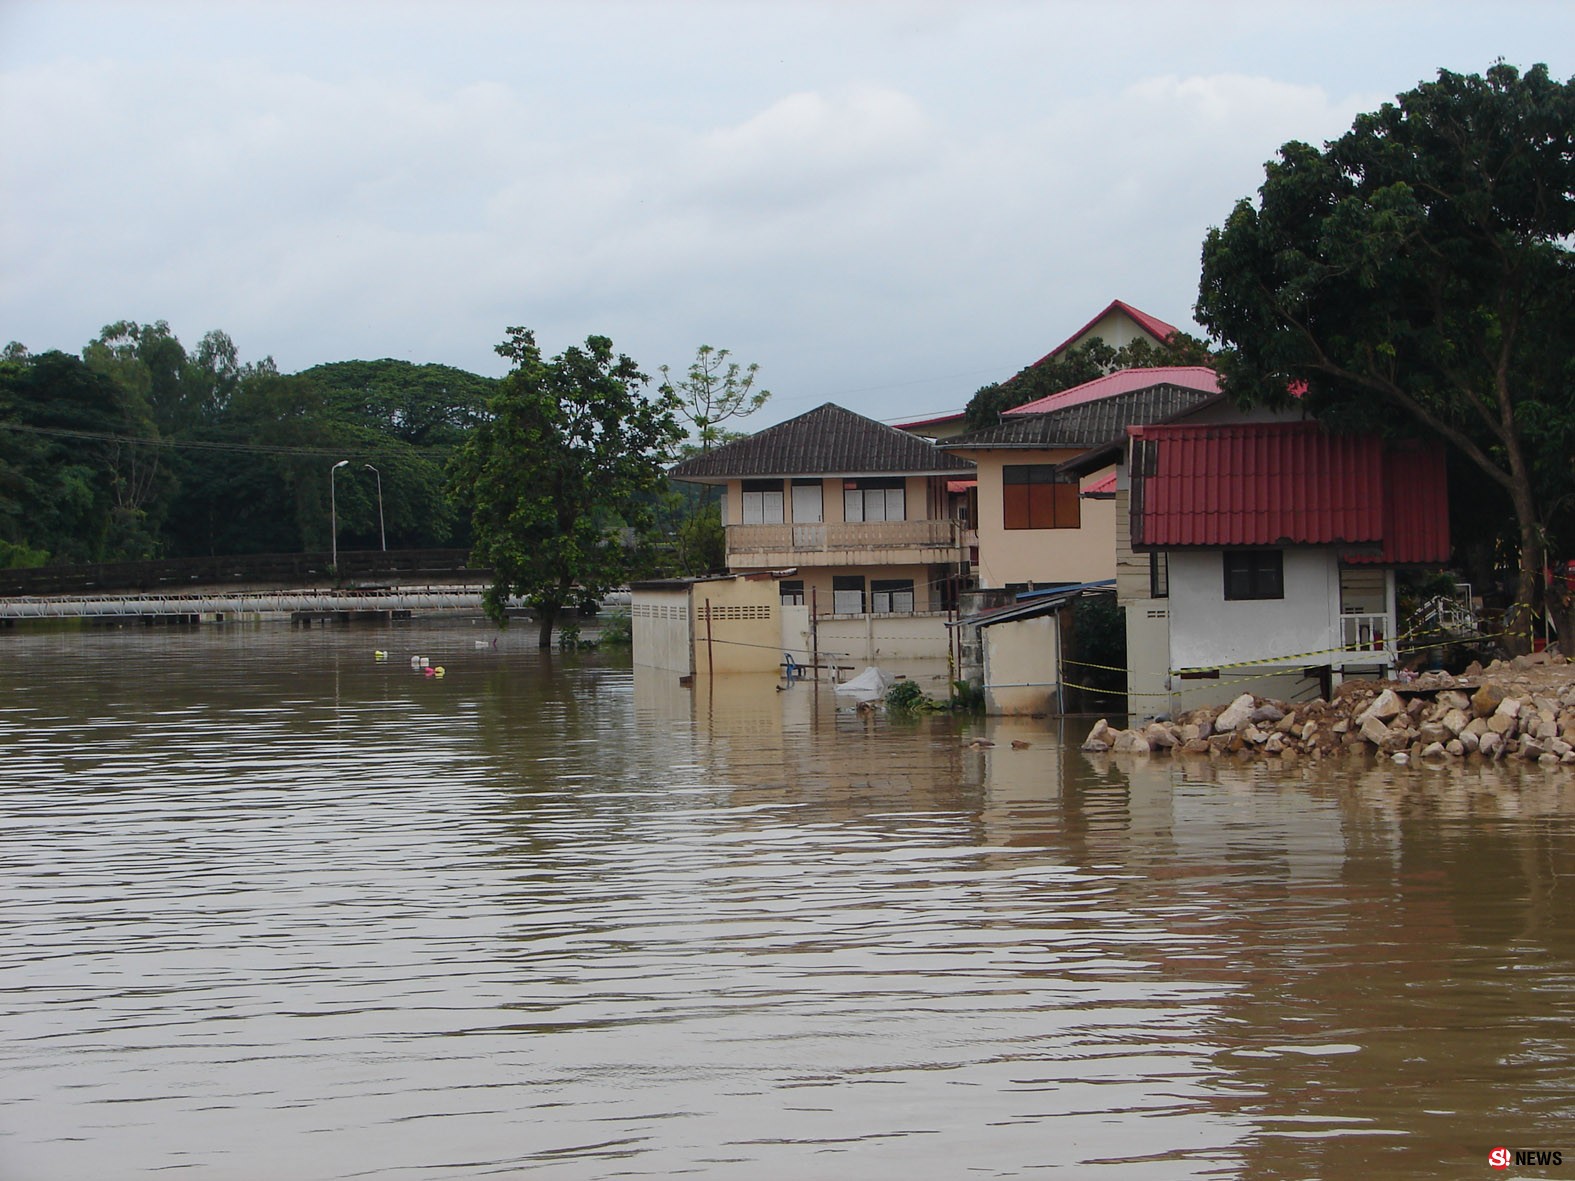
x=617 y=630
x=1088 y=361
x=714 y=391
x=906 y=697
x=1416 y=275
x=569 y=451
x=1098 y=644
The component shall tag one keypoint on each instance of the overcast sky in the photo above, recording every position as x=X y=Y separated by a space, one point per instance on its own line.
x=886 y=205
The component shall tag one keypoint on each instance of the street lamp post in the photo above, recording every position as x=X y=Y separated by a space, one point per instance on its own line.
x=382 y=533
x=333 y=516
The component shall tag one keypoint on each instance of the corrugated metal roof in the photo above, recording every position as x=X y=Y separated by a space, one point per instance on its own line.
x=1122 y=381
x=1085 y=423
x=1105 y=486
x=1251 y=484
x=1416 y=508
x=826 y=441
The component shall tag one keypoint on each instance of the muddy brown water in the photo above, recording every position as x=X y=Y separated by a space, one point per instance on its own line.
x=274 y=908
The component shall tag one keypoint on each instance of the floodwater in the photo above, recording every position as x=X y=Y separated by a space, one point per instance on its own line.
x=275 y=909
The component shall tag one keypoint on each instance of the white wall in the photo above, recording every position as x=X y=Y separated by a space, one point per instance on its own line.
x=1206 y=631
x=660 y=623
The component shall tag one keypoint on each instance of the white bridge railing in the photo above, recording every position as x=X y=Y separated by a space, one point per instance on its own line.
x=243 y=604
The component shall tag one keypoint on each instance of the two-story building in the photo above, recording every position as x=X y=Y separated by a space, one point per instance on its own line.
x=860 y=521
x=1039 y=524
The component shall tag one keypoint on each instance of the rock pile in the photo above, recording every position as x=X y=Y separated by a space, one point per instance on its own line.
x=1500 y=712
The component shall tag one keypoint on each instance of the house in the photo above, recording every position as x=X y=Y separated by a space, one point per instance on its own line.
x=1261 y=555
x=865 y=518
x=1038 y=524
x=1118 y=325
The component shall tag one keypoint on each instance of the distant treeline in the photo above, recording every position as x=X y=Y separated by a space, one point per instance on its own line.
x=138 y=448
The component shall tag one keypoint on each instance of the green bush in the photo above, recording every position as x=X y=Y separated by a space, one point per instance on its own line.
x=905 y=697
x=617 y=630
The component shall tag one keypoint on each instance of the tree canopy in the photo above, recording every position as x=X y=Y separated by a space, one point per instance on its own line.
x=569 y=452
x=1416 y=274
x=713 y=392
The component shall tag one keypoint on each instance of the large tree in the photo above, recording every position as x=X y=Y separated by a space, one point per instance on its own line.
x=1416 y=273
x=569 y=452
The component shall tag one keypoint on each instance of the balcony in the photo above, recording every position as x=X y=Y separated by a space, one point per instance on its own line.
x=844 y=543
x=1363 y=634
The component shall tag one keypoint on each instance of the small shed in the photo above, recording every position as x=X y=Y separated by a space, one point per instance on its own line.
x=1020 y=648
x=726 y=623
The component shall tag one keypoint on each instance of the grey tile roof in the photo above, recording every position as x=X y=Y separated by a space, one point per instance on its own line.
x=826 y=441
x=1087 y=424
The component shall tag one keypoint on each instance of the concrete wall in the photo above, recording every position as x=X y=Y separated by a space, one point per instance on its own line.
x=1206 y=631
x=1020 y=665
x=863 y=640
x=712 y=626
x=817 y=582
x=660 y=622
x=737 y=626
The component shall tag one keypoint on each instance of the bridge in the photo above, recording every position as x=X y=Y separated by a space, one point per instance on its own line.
x=301 y=587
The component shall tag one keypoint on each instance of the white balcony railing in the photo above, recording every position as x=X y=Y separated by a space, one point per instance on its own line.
x=823 y=537
x=1360 y=634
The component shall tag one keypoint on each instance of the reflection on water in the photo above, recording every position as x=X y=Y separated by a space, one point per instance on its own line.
x=276 y=909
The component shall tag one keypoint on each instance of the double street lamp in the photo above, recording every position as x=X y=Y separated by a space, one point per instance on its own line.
x=333 y=516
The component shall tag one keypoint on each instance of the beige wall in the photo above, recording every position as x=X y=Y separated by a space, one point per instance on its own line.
x=1115 y=328
x=1087 y=554
x=1020 y=665
x=742 y=631
x=817 y=583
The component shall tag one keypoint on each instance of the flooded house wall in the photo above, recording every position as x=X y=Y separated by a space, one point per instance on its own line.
x=1207 y=630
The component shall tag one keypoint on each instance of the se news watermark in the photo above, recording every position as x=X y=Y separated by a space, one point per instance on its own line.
x=1502 y=1158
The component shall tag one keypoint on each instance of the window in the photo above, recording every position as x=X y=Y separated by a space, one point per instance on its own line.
x=847 y=594
x=1039 y=496
x=891 y=596
x=1158 y=575
x=762 y=502
x=1254 y=574
x=874 y=500
x=792 y=592
x=807 y=502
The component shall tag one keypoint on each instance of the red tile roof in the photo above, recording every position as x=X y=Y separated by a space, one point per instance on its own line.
x=1288 y=484
x=1124 y=381
x=1104 y=486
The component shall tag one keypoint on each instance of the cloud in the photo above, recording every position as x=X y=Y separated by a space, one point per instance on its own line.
x=855 y=196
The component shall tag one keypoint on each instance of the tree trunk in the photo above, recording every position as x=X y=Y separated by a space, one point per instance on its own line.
x=548 y=616
x=1522 y=612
